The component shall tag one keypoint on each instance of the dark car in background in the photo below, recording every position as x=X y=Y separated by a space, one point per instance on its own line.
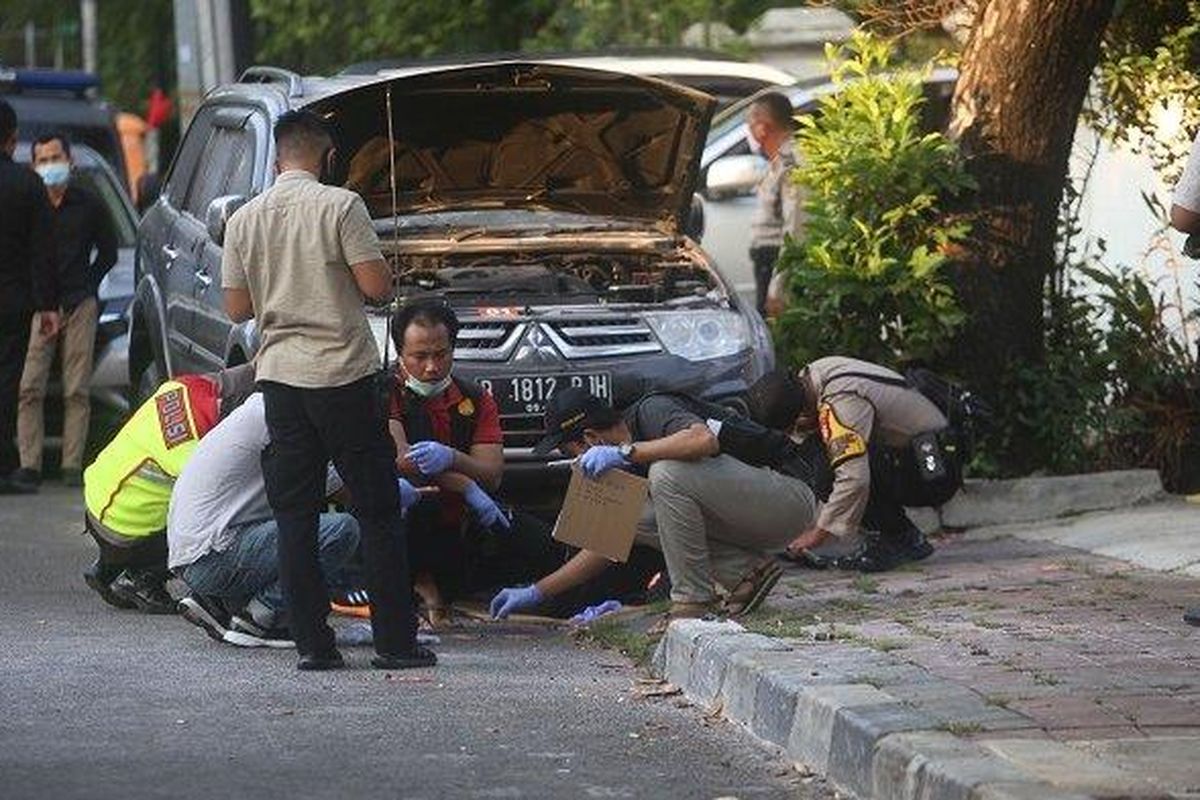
x=546 y=203
x=48 y=101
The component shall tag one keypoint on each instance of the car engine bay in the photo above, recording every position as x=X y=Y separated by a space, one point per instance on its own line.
x=569 y=278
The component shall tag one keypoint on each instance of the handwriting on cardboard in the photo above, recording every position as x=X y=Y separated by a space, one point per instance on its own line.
x=602 y=514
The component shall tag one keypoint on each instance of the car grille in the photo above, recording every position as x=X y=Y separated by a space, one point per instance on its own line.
x=600 y=338
x=521 y=431
x=487 y=341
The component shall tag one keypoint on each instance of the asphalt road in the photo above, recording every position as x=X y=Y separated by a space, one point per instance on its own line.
x=101 y=703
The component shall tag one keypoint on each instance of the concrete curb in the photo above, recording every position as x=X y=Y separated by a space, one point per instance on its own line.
x=985 y=503
x=868 y=741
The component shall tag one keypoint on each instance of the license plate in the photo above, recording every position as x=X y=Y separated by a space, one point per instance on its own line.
x=528 y=394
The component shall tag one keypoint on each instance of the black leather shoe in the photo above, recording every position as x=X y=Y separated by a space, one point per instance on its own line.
x=876 y=555
x=414 y=659
x=319 y=662
x=145 y=591
x=27 y=479
x=9 y=486
x=911 y=545
x=99 y=578
x=1192 y=616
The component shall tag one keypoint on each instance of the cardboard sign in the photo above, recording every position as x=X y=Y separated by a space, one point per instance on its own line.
x=602 y=514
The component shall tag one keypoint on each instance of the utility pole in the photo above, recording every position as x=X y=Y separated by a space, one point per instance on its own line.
x=30 y=44
x=87 y=19
x=204 y=49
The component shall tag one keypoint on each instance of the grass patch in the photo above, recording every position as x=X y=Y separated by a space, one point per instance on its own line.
x=885 y=645
x=866 y=584
x=617 y=634
x=989 y=624
x=847 y=604
x=1045 y=678
x=997 y=700
x=782 y=624
x=961 y=728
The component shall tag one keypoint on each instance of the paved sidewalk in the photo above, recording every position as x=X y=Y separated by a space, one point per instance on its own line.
x=1006 y=665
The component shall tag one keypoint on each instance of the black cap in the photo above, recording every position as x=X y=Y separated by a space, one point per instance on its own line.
x=568 y=413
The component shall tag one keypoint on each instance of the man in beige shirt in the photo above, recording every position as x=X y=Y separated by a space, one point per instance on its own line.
x=300 y=258
x=867 y=418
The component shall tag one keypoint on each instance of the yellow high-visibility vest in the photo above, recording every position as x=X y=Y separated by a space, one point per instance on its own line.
x=128 y=487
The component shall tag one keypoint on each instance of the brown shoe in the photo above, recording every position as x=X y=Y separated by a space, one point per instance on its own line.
x=753 y=589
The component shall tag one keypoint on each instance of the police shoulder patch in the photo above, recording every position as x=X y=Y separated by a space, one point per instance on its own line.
x=173 y=418
x=465 y=407
x=842 y=443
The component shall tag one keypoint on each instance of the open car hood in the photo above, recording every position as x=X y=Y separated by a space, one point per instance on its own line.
x=522 y=135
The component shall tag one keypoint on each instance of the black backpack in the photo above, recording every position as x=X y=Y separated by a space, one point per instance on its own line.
x=966 y=413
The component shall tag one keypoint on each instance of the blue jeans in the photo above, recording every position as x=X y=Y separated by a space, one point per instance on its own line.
x=247 y=572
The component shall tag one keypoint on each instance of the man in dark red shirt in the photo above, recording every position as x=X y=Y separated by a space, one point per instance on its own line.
x=447 y=434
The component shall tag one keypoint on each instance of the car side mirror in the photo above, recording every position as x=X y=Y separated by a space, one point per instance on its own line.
x=693 y=226
x=149 y=187
x=218 y=214
x=734 y=176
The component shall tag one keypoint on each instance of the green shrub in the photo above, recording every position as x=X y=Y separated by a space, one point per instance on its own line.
x=867 y=280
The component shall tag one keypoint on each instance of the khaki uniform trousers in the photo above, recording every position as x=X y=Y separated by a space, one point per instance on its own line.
x=78 y=341
x=718 y=518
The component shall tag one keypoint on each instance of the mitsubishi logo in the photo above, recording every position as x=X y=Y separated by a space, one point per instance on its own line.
x=536 y=347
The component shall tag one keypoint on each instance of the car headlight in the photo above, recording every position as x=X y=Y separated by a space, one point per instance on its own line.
x=700 y=335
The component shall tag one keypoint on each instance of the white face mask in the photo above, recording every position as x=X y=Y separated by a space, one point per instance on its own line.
x=426 y=389
x=56 y=173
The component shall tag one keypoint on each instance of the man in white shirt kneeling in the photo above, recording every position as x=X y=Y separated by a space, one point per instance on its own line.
x=223 y=541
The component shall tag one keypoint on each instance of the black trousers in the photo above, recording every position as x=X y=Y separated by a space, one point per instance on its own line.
x=764 y=259
x=895 y=484
x=145 y=554
x=308 y=428
x=14 y=343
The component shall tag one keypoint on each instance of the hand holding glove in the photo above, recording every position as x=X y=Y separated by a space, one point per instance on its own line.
x=515 y=598
x=484 y=507
x=432 y=458
x=600 y=459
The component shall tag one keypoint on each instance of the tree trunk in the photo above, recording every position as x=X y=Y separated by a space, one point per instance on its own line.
x=1023 y=78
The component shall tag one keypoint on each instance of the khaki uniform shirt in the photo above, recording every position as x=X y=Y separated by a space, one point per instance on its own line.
x=780 y=208
x=292 y=247
x=852 y=413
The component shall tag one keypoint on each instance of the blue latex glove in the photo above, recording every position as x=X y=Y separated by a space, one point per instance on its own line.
x=409 y=496
x=595 y=612
x=484 y=507
x=600 y=459
x=432 y=458
x=514 y=598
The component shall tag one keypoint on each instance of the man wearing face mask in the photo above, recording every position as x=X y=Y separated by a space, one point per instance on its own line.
x=779 y=211
x=300 y=259
x=447 y=433
x=81 y=228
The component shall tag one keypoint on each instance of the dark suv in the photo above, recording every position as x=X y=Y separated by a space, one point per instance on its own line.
x=546 y=203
